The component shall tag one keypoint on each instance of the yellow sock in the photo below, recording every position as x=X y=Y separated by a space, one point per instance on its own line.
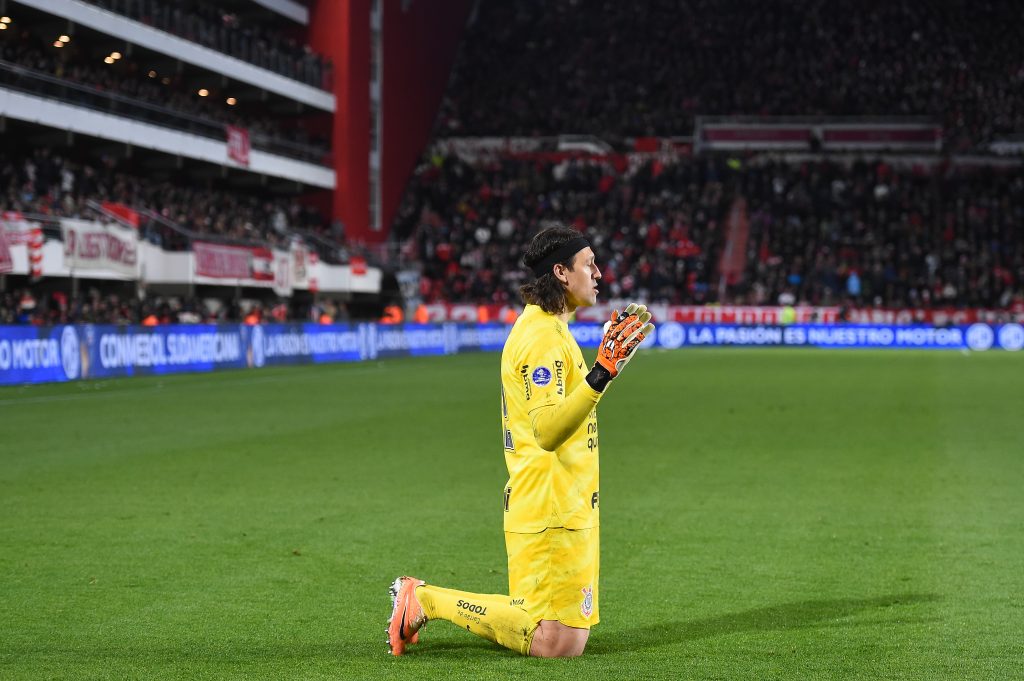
x=487 y=615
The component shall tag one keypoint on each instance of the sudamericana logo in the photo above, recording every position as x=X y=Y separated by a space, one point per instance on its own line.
x=70 y=357
x=541 y=376
x=258 y=358
x=1011 y=337
x=980 y=337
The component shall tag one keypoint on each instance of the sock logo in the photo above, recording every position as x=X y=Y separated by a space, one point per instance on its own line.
x=470 y=607
x=587 y=606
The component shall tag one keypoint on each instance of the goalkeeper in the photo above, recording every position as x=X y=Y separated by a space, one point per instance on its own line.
x=552 y=499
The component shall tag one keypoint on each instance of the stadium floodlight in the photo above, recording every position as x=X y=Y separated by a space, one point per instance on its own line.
x=65 y=38
x=165 y=80
x=203 y=92
x=115 y=55
x=108 y=60
x=231 y=101
x=152 y=74
x=3 y=27
x=5 y=20
x=57 y=43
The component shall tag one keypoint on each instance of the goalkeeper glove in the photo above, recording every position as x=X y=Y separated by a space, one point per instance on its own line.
x=622 y=334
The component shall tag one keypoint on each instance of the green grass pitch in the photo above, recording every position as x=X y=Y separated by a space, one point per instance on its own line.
x=790 y=514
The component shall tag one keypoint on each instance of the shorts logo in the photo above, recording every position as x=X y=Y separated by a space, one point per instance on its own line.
x=587 y=606
x=541 y=376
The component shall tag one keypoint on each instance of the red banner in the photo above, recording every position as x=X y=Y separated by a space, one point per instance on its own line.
x=222 y=262
x=828 y=135
x=238 y=144
x=736 y=314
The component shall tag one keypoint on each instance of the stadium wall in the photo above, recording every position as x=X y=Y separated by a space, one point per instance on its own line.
x=30 y=354
x=420 y=43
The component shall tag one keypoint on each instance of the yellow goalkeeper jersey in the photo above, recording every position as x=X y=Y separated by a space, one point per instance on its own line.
x=541 y=364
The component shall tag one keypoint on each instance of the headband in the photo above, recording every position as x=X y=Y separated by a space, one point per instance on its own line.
x=570 y=248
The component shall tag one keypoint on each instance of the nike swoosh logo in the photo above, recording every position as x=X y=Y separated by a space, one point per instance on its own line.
x=401 y=631
x=580 y=365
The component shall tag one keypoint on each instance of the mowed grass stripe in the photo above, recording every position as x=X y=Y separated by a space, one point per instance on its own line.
x=768 y=514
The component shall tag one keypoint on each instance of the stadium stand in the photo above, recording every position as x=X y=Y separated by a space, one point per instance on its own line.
x=818 y=232
x=224 y=31
x=47 y=183
x=626 y=69
x=469 y=222
x=128 y=87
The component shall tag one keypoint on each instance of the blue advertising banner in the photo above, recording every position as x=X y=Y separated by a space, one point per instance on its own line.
x=31 y=354
x=977 y=337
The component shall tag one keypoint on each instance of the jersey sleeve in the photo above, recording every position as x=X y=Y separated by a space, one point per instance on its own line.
x=554 y=415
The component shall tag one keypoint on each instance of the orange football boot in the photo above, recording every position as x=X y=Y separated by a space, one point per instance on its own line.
x=406 y=614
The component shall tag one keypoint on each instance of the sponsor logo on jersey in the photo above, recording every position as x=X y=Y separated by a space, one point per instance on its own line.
x=560 y=376
x=470 y=607
x=524 y=371
x=541 y=376
x=587 y=606
x=517 y=602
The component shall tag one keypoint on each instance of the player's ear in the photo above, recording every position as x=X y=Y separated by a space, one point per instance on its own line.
x=560 y=271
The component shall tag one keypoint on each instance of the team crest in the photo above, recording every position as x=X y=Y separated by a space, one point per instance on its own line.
x=541 y=376
x=587 y=606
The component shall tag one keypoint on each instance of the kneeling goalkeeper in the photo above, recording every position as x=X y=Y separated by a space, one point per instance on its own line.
x=552 y=499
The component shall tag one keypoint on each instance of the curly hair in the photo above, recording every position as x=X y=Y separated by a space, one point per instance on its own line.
x=546 y=290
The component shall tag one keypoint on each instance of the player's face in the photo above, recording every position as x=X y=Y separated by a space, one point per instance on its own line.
x=581 y=287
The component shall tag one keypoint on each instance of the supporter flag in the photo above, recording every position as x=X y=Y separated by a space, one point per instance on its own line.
x=122 y=211
x=282 y=270
x=358 y=265
x=6 y=261
x=221 y=262
x=94 y=246
x=262 y=264
x=238 y=144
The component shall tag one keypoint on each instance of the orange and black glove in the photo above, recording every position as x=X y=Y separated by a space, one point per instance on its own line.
x=622 y=334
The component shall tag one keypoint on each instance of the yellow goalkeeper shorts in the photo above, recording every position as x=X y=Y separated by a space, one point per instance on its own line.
x=553 y=574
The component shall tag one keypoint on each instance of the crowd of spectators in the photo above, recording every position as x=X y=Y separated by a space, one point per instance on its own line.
x=820 y=233
x=46 y=183
x=222 y=30
x=28 y=306
x=130 y=80
x=543 y=67
x=656 y=225
x=872 y=234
